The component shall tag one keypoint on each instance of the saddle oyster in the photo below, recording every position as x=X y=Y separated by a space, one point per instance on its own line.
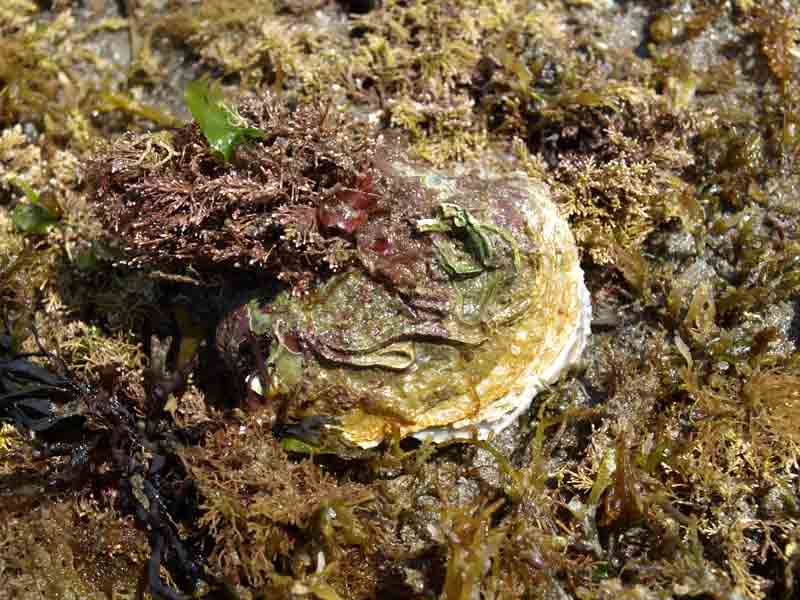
x=469 y=301
x=416 y=302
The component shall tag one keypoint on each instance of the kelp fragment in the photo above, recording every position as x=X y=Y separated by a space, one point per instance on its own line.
x=93 y=427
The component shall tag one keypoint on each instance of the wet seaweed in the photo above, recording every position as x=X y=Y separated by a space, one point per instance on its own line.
x=669 y=469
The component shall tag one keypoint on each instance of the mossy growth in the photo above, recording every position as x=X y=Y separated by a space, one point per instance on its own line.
x=47 y=551
x=54 y=78
x=270 y=517
x=670 y=132
x=264 y=210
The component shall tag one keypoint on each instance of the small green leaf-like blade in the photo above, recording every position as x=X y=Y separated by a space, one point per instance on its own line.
x=297 y=446
x=32 y=218
x=216 y=120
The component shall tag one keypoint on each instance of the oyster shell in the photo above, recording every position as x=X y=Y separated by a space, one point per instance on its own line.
x=470 y=301
x=416 y=302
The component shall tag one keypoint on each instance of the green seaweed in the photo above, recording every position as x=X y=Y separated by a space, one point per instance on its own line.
x=455 y=219
x=699 y=379
x=30 y=217
x=33 y=216
x=222 y=128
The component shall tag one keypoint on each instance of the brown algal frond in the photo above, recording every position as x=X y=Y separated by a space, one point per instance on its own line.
x=287 y=204
x=259 y=505
x=777 y=27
